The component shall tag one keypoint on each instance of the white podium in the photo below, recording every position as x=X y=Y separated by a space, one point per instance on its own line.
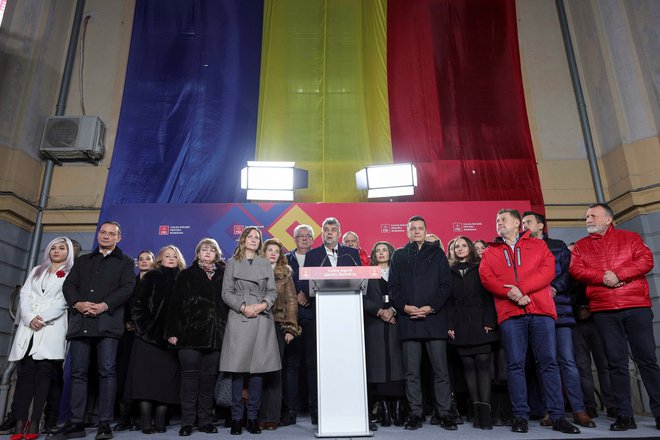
x=342 y=381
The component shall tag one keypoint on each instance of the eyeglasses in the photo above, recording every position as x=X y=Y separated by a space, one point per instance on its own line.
x=304 y=237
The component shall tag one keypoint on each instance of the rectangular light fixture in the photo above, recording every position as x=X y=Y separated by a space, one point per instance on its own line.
x=272 y=180
x=387 y=180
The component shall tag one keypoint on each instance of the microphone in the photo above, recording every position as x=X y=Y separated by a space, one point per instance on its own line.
x=349 y=256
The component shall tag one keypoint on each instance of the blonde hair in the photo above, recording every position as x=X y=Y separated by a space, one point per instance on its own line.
x=214 y=245
x=181 y=262
x=239 y=252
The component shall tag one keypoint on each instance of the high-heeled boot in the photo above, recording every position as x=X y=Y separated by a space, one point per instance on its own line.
x=476 y=410
x=485 y=416
x=386 y=413
x=399 y=415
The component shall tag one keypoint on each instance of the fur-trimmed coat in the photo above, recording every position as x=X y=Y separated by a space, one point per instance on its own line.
x=150 y=303
x=250 y=344
x=285 y=310
x=197 y=316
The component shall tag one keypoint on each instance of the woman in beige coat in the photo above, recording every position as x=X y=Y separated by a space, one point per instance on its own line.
x=249 y=347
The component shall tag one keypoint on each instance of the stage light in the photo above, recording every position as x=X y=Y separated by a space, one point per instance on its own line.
x=274 y=181
x=387 y=180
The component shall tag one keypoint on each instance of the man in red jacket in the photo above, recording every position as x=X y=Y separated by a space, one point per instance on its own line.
x=518 y=269
x=612 y=264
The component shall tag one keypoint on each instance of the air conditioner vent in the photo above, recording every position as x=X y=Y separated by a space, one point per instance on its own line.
x=73 y=139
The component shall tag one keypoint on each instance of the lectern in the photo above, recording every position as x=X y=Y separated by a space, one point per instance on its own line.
x=342 y=379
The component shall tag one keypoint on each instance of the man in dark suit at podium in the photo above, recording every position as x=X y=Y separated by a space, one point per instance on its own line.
x=331 y=253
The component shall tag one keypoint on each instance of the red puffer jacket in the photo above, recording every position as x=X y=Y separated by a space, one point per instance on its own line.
x=530 y=266
x=625 y=254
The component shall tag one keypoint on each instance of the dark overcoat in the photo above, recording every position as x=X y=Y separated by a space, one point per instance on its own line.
x=472 y=308
x=421 y=277
x=377 y=348
x=99 y=279
x=197 y=316
x=150 y=303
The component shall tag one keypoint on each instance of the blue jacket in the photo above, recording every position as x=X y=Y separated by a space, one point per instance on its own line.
x=561 y=282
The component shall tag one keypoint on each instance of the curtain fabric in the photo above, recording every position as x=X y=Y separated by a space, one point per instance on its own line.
x=457 y=105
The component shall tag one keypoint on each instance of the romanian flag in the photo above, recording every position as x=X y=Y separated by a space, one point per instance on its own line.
x=333 y=85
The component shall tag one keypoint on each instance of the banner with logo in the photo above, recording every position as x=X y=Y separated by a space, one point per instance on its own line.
x=152 y=226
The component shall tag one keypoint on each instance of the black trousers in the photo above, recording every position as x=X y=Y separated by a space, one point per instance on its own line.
x=33 y=384
x=199 y=372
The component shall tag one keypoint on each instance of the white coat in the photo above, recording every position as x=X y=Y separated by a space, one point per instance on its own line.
x=50 y=341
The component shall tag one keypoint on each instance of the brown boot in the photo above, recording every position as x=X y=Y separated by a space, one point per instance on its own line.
x=583 y=419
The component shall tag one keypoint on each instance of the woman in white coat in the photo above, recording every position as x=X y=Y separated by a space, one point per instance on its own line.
x=40 y=341
x=249 y=347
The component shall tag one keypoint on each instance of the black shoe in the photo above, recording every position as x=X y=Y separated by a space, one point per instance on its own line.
x=236 y=427
x=435 y=419
x=314 y=415
x=148 y=430
x=160 y=429
x=253 y=427
x=288 y=419
x=385 y=413
x=208 y=428
x=122 y=425
x=69 y=430
x=448 y=422
x=103 y=432
x=373 y=426
x=623 y=423
x=50 y=425
x=185 y=431
x=414 y=422
x=563 y=425
x=519 y=425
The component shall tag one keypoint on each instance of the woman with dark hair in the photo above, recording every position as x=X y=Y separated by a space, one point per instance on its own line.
x=383 y=348
x=472 y=324
x=153 y=370
x=40 y=341
x=480 y=246
x=250 y=343
x=127 y=412
x=196 y=321
x=285 y=315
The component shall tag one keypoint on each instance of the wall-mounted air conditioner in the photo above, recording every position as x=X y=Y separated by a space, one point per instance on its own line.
x=73 y=139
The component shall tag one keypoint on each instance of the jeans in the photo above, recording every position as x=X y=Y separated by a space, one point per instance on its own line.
x=412 y=359
x=199 y=372
x=254 y=383
x=517 y=334
x=271 y=390
x=635 y=327
x=80 y=353
x=570 y=374
x=587 y=343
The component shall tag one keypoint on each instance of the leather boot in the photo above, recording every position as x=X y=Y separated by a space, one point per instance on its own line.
x=398 y=413
x=160 y=418
x=476 y=410
x=485 y=416
x=385 y=413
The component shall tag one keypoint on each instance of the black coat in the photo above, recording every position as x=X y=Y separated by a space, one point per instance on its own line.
x=421 y=277
x=98 y=279
x=377 y=347
x=150 y=303
x=472 y=308
x=197 y=316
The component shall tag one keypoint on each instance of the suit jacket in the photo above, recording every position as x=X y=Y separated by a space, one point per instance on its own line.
x=318 y=257
x=50 y=341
